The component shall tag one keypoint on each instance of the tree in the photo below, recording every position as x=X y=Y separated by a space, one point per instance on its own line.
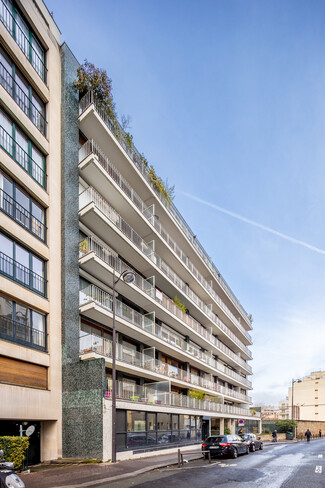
x=286 y=425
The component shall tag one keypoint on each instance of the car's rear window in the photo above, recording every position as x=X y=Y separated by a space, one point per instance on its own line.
x=217 y=438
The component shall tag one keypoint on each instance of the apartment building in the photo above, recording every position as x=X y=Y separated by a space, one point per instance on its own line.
x=307 y=397
x=30 y=219
x=182 y=337
x=284 y=412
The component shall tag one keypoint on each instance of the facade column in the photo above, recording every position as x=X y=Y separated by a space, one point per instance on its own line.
x=222 y=426
x=232 y=426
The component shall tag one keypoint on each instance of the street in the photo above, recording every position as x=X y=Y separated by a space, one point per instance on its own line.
x=297 y=465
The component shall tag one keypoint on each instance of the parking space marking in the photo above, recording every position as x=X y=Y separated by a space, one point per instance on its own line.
x=318 y=469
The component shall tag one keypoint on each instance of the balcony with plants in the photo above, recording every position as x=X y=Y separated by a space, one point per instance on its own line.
x=98 y=259
x=95 y=210
x=95 y=92
x=95 y=303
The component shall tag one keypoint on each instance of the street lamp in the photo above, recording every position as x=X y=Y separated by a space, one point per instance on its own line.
x=128 y=276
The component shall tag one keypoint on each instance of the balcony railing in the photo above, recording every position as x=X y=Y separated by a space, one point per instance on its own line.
x=22 y=157
x=91 y=195
x=150 y=395
x=22 y=275
x=18 y=213
x=94 y=294
x=22 y=333
x=90 y=147
x=24 y=102
x=91 y=244
x=137 y=159
x=22 y=40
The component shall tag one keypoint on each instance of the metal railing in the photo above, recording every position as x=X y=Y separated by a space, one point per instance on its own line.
x=22 y=100
x=22 y=333
x=22 y=275
x=22 y=157
x=18 y=213
x=137 y=159
x=91 y=195
x=94 y=294
x=22 y=40
x=90 y=147
x=150 y=395
x=92 y=244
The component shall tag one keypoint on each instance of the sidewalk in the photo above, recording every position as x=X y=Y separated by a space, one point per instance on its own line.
x=86 y=475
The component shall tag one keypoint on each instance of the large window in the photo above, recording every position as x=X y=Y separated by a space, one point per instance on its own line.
x=21 y=265
x=16 y=203
x=21 y=149
x=15 y=23
x=21 y=91
x=138 y=430
x=21 y=324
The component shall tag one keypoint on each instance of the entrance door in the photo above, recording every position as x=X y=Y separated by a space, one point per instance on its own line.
x=205 y=429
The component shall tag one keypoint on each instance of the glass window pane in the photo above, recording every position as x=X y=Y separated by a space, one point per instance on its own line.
x=22 y=149
x=120 y=421
x=22 y=93
x=38 y=57
x=38 y=165
x=6 y=191
x=38 y=267
x=38 y=329
x=22 y=208
x=22 y=34
x=163 y=420
x=6 y=14
x=22 y=323
x=22 y=256
x=136 y=421
x=6 y=130
x=6 y=256
x=22 y=264
x=151 y=421
x=38 y=112
x=6 y=324
x=6 y=79
x=6 y=246
x=38 y=218
x=174 y=422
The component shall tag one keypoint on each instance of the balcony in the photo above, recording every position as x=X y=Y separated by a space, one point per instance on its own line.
x=21 y=333
x=24 y=102
x=150 y=395
x=90 y=200
x=22 y=40
x=21 y=157
x=93 y=247
x=137 y=160
x=93 y=175
x=20 y=215
x=93 y=294
x=9 y=268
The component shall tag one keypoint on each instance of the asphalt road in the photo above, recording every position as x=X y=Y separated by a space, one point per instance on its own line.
x=298 y=465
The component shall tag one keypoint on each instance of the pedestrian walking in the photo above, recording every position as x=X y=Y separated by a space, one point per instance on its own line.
x=275 y=436
x=308 y=435
x=320 y=433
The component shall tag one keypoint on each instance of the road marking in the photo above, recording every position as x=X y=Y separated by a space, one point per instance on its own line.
x=320 y=456
x=318 y=469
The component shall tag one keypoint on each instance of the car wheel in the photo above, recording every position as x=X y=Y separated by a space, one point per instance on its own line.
x=234 y=454
x=253 y=448
x=261 y=446
x=247 y=450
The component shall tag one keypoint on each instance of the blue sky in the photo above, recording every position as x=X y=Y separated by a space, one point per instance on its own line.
x=227 y=101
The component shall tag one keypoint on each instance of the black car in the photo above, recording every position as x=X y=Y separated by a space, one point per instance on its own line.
x=230 y=445
x=253 y=441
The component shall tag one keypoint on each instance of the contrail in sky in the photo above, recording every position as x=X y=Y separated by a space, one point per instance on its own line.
x=255 y=224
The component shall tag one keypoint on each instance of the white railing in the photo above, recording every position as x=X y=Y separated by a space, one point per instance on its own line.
x=92 y=244
x=138 y=160
x=94 y=294
x=90 y=195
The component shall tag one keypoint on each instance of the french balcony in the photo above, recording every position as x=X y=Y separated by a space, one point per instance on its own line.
x=9 y=268
x=22 y=40
x=136 y=159
x=94 y=209
x=98 y=260
x=99 y=172
x=21 y=157
x=100 y=302
x=22 y=216
x=21 y=333
x=22 y=100
x=151 y=395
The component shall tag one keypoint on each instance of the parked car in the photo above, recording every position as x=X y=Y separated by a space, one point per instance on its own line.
x=253 y=441
x=230 y=445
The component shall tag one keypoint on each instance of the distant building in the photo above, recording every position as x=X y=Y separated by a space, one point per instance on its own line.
x=307 y=397
x=269 y=413
x=284 y=412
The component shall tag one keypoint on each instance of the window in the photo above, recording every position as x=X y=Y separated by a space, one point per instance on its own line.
x=22 y=92
x=20 y=324
x=21 y=207
x=21 y=149
x=15 y=23
x=21 y=265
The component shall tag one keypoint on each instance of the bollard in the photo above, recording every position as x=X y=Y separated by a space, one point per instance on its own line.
x=179 y=458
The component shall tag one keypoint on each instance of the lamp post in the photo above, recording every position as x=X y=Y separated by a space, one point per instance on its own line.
x=127 y=276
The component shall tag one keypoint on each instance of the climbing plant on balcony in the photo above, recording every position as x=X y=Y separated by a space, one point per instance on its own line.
x=179 y=304
x=90 y=78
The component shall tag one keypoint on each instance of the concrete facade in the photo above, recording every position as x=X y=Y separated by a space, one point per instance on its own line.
x=306 y=397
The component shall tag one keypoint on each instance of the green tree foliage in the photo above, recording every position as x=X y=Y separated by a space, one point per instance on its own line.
x=286 y=425
x=198 y=394
x=227 y=431
x=14 y=449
